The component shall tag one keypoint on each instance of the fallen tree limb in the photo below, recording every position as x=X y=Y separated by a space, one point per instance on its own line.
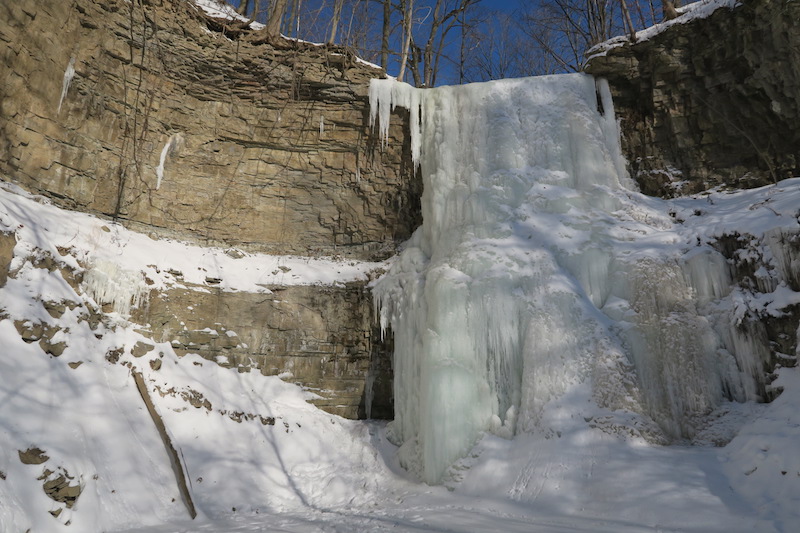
x=177 y=467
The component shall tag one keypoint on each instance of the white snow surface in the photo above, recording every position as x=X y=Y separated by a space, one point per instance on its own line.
x=160 y=263
x=224 y=10
x=537 y=245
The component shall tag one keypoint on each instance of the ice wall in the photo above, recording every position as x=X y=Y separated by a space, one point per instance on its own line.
x=536 y=265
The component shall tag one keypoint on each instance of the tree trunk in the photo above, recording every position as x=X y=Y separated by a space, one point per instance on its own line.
x=337 y=14
x=385 y=33
x=243 y=5
x=462 y=46
x=294 y=19
x=407 y=26
x=668 y=7
x=628 y=21
x=273 y=28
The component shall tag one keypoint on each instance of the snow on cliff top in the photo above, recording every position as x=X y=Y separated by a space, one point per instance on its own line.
x=221 y=9
x=686 y=14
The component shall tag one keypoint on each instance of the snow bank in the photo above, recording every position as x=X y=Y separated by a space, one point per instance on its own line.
x=250 y=444
x=163 y=263
x=222 y=9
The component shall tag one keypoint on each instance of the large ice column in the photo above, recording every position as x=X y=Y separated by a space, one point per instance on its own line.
x=461 y=297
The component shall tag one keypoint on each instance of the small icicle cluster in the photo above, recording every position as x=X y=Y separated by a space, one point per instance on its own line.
x=107 y=283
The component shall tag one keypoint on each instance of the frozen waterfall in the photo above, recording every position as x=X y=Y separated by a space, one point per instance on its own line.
x=539 y=268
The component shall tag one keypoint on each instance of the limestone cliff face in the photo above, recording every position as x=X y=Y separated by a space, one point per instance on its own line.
x=149 y=113
x=324 y=338
x=269 y=149
x=712 y=102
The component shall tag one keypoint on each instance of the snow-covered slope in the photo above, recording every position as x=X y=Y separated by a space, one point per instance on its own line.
x=259 y=458
x=73 y=424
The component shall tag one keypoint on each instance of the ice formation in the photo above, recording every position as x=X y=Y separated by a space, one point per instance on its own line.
x=108 y=283
x=537 y=268
x=69 y=73
x=173 y=143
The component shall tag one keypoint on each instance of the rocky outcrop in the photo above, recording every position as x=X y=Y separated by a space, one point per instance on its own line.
x=716 y=102
x=58 y=484
x=145 y=112
x=323 y=338
x=711 y=102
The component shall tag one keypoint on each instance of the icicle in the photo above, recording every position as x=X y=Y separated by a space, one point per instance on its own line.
x=707 y=273
x=786 y=256
x=460 y=299
x=321 y=125
x=108 y=283
x=535 y=270
x=611 y=130
x=674 y=349
x=384 y=96
x=69 y=73
x=173 y=143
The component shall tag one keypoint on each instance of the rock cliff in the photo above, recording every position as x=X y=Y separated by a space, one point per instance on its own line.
x=178 y=126
x=714 y=101
x=173 y=124
x=139 y=111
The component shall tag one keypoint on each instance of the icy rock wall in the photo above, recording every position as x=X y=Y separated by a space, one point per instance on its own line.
x=535 y=269
x=212 y=139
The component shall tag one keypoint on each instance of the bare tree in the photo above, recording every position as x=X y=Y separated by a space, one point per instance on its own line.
x=294 y=18
x=495 y=46
x=408 y=26
x=566 y=29
x=337 y=14
x=386 y=32
x=243 y=5
x=628 y=23
x=272 y=30
x=435 y=23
